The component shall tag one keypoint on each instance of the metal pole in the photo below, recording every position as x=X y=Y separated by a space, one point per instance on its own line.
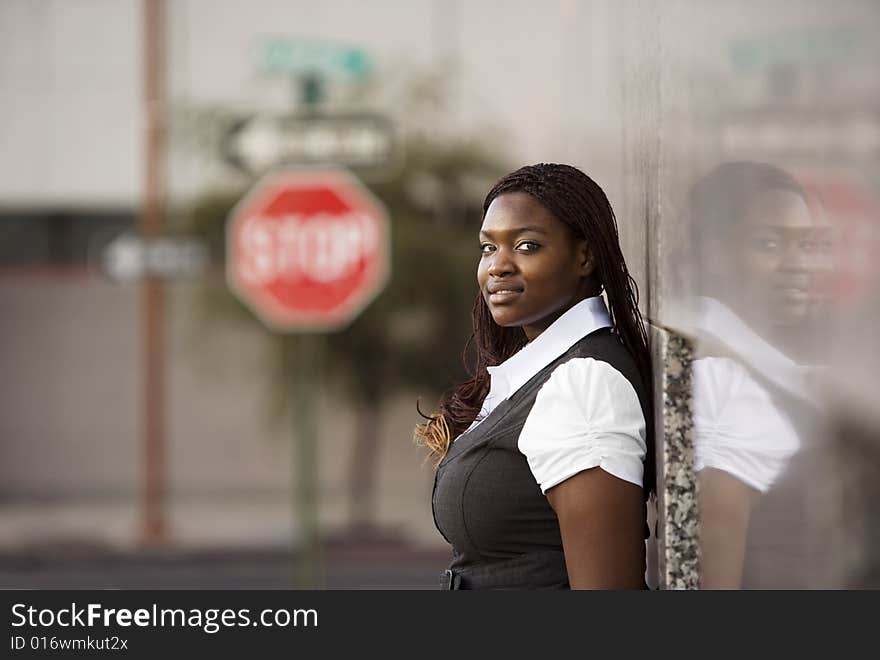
x=306 y=384
x=305 y=362
x=153 y=529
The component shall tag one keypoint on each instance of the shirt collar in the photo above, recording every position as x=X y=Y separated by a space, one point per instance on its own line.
x=716 y=320
x=585 y=317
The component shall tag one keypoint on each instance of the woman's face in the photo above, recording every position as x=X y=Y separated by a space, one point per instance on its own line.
x=532 y=268
x=778 y=256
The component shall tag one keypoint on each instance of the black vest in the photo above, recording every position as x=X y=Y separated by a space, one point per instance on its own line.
x=488 y=505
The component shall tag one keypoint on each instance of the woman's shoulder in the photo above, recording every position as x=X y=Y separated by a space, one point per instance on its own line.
x=587 y=414
x=604 y=345
x=718 y=380
x=600 y=355
x=590 y=384
x=581 y=374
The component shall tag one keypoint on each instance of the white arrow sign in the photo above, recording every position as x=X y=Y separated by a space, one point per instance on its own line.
x=261 y=143
x=129 y=258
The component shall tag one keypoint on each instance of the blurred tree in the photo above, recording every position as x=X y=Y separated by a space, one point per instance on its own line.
x=411 y=336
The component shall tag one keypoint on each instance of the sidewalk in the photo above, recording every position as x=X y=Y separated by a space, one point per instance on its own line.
x=354 y=565
x=212 y=543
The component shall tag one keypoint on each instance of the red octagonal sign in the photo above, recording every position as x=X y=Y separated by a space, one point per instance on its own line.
x=307 y=249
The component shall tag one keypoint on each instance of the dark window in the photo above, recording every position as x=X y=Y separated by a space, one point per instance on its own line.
x=57 y=236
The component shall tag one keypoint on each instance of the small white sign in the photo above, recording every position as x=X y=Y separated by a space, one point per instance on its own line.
x=130 y=258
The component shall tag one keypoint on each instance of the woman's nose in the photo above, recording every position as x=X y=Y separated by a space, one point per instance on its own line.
x=501 y=264
x=797 y=259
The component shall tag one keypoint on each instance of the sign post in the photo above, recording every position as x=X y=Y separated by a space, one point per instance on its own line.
x=307 y=250
x=311 y=135
x=304 y=369
x=154 y=463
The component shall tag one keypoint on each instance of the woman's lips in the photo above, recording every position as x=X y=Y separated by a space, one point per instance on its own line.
x=795 y=291
x=504 y=296
x=793 y=294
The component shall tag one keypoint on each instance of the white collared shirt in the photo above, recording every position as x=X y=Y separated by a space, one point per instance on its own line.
x=738 y=427
x=586 y=415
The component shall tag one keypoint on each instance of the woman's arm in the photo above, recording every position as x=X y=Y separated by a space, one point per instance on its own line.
x=602 y=522
x=725 y=508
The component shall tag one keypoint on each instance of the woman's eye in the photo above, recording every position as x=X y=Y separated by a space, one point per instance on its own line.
x=766 y=244
x=528 y=246
x=486 y=248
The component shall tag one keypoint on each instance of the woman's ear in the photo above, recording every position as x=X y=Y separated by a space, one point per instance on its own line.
x=585 y=259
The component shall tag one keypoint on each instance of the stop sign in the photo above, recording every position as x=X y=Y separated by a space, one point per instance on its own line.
x=307 y=249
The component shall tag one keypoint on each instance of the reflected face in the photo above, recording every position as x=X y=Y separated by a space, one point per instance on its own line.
x=532 y=267
x=782 y=250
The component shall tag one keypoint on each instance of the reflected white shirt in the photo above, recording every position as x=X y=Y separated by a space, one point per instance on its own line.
x=738 y=427
x=586 y=415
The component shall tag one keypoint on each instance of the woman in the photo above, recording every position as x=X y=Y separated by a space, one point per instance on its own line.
x=543 y=486
x=762 y=255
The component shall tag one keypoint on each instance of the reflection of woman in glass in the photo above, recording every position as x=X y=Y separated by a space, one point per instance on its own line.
x=760 y=251
x=542 y=451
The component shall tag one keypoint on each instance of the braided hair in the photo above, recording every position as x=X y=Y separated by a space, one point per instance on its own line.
x=578 y=201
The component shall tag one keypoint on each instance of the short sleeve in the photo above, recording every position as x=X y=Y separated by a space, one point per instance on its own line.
x=586 y=415
x=738 y=428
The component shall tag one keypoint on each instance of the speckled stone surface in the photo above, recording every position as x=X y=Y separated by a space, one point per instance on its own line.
x=678 y=517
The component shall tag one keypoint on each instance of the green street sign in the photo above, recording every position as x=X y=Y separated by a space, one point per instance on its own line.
x=287 y=56
x=799 y=47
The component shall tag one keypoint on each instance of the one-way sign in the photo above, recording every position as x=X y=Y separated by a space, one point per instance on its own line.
x=130 y=258
x=257 y=144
